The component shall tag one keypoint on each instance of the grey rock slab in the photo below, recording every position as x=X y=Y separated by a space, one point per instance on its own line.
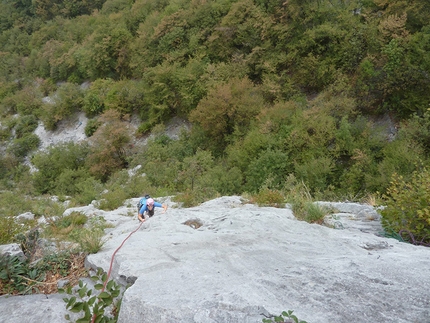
x=32 y=309
x=226 y=261
x=245 y=262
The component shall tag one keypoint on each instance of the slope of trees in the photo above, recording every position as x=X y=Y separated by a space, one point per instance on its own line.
x=276 y=90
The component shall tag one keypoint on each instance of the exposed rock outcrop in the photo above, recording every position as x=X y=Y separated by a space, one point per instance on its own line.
x=228 y=261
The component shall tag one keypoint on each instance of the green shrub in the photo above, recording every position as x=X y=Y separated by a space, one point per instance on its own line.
x=47 y=207
x=269 y=197
x=68 y=99
x=74 y=218
x=22 y=146
x=67 y=182
x=13 y=203
x=25 y=125
x=303 y=206
x=273 y=164
x=65 y=226
x=91 y=127
x=18 y=276
x=407 y=209
x=89 y=240
x=188 y=198
x=12 y=273
x=93 y=306
x=88 y=189
x=95 y=96
x=9 y=228
x=27 y=101
x=52 y=163
x=111 y=200
x=223 y=180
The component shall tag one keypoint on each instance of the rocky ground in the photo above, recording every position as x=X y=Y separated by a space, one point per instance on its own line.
x=230 y=261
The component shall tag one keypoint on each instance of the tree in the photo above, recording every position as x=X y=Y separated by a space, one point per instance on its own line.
x=109 y=146
x=227 y=111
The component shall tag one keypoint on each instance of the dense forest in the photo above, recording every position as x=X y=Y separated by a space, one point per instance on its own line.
x=289 y=100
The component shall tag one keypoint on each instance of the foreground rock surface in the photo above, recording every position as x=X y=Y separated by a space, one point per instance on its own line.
x=226 y=261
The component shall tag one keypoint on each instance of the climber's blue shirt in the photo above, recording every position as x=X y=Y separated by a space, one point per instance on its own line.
x=145 y=208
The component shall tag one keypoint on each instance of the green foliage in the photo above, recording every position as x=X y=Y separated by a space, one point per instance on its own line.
x=26 y=101
x=406 y=208
x=417 y=128
x=273 y=164
x=69 y=180
x=269 y=197
x=125 y=96
x=13 y=203
x=303 y=206
x=67 y=100
x=271 y=90
x=228 y=110
x=93 y=306
x=56 y=160
x=19 y=276
x=91 y=127
x=74 y=218
x=25 y=125
x=223 y=180
x=109 y=151
x=89 y=240
x=21 y=147
x=190 y=198
x=111 y=6
x=316 y=173
x=59 y=262
x=87 y=190
x=47 y=206
x=194 y=167
x=9 y=228
x=12 y=273
x=111 y=200
x=282 y=318
x=95 y=96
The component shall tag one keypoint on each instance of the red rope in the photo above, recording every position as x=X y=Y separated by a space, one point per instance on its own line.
x=111 y=262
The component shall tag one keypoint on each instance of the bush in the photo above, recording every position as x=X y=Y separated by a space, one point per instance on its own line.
x=91 y=127
x=407 y=209
x=76 y=227
x=47 y=207
x=269 y=197
x=25 y=125
x=58 y=159
x=87 y=190
x=22 y=146
x=64 y=227
x=112 y=199
x=90 y=240
x=93 y=306
x=9 y=228
x=189 y=198
x=18 y=276
x=302 y=202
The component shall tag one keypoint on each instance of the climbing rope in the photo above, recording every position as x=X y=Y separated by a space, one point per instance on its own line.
x=111 y=263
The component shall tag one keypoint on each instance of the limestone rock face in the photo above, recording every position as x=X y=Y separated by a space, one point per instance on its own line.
x=228 y=261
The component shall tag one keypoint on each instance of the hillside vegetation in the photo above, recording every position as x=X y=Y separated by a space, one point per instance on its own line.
x=286 y=100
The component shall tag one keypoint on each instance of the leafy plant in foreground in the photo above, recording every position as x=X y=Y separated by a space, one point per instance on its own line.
x=284 y=315
x=83 y=300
